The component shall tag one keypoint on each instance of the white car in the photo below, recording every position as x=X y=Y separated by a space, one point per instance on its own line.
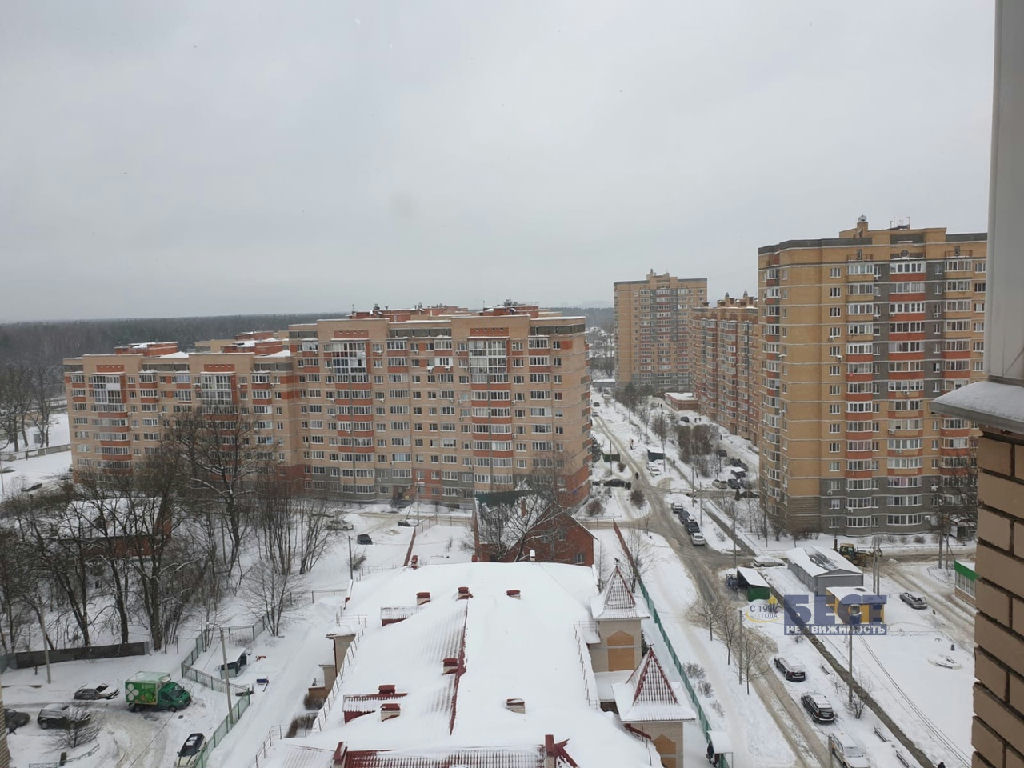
x=697 y=539
x=848 y=752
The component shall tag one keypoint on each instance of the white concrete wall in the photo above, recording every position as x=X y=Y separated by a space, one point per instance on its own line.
x=1004 y=321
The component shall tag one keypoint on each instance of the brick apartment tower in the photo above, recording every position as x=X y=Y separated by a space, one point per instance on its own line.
x=997 y=406
x=726 y=339
x=860 y=333
x=652 y=327
x=431 y=404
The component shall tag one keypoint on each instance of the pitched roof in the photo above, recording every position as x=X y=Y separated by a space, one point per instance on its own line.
x=649 y=695
x=616 y=601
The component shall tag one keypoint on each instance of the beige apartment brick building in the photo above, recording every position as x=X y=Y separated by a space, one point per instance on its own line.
x=860 y=333
x=652 y=326
x=432 y=404
x=997 y=406
x=726 y=339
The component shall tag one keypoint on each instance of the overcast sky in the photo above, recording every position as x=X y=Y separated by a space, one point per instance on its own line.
x=194 y=158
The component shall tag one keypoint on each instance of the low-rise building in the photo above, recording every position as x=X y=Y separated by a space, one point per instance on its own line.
x=820 y=568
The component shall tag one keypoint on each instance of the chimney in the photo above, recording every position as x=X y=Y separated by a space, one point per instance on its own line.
x=516 y=705
x=464 y=593
x=550 y=753
x=512 y=593
x=389 y=710
x=415 y=562
x=422 y=597
x=449 y=665
x=386 y=690
x=340 y=755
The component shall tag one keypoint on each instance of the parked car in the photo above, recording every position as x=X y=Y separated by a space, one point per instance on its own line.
x=61 y=717
x=92 y=693
x=732 y=482
x=692 y=526
x=15 y=719
x=189 y=753
x=914 y=601
x=749 y=494
x=364 y=538
x=764 y=561
x=721 y=453
x=848 y=752
x=697 y=539
x=684 y=419
x=404 y=524
x=791 y=670
x=719 y=483
x=818 y=707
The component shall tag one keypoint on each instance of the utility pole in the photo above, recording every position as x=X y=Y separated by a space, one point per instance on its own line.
x=350 y=556
x=850 y=666
x=227 y=685
x=46 y=647
x=739 y=650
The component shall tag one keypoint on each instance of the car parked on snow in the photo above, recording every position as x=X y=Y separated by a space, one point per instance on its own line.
x=818 y=707
x=61 y=717
x=189 y=753
x=848 y=752
x=15 y=719
x=791 y=670
x=914 y=601
x=692 y=526
x=92 y=693
x=364 y=538
x=697 y=539
x=719 y=483
x=732 y=482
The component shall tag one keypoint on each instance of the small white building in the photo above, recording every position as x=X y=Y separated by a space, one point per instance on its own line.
x=820 y=568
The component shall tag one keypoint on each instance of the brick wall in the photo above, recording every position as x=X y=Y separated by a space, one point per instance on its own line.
x=998 y=728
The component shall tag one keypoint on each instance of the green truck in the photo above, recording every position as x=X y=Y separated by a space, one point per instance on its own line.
x=155 y=690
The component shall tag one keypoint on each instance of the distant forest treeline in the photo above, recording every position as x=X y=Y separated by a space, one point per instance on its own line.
x=50 y=342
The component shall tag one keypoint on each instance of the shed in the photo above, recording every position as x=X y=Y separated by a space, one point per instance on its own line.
x=757 y=588
x=964 y=579
x=858 y=601
x=820 y=568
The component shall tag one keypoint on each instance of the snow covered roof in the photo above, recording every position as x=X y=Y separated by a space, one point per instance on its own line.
x=861 y=593
x=815 y=561
x=649 y=695
x=991 y=403
x=617 y=601
x=752 y=577
x=505 y=647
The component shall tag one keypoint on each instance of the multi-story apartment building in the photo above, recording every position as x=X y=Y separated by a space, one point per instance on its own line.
x=433 y=404
x=997 y=406
x=652 y=327
x=860 y=333
x=726 y=340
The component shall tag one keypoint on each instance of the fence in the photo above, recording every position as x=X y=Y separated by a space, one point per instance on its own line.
x=223 y=730
x=25 y=659
x=702 y=717
x=326 y=593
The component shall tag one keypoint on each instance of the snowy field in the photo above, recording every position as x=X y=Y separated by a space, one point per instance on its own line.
x=20 y=473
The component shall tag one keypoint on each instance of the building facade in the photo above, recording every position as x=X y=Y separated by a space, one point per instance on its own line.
x=726 y=342
x=431 y=404
x=997 y=406
x=652 y=330
x=860 y=333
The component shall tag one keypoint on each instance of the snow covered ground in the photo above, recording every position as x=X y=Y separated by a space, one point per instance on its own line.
x=20 y=473
x=290 y=662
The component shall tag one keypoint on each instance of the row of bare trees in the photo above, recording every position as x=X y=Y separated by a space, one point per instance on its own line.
x=751 y=649
x=27 y=394
x=204 y=516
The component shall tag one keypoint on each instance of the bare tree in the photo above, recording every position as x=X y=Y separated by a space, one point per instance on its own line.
x=512 y=523
x=15 y=403
x=217 y=444
x=709 y=611
x=757 y=653
x=15 y=590
x=83 y=728
x=640 y=552
x=270 y=591
x=729 y=629
x=44 y=385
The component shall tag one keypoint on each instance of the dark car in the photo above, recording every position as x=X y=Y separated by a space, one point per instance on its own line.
x=92 y=693
x=914 y=601
x=721 y=453
x=15 y=719
x=405 y=524
x=61 y=717
x=190 y=750
x=692 y=526
x=790 y=670
x=732 y=482
x=364 y=538
x=818 y=707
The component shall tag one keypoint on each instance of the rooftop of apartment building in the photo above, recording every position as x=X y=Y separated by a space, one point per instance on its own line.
x=652 y=275
x=861 y=234
x=746 y=301
x=489 y=667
